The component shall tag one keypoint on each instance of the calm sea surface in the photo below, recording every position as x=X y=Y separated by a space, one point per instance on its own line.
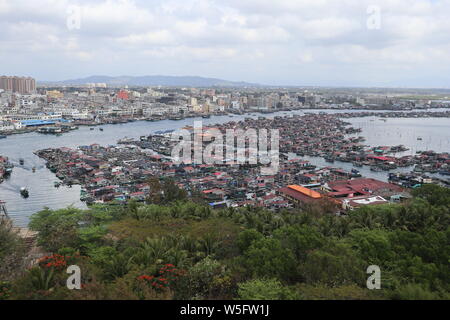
x=435 y=134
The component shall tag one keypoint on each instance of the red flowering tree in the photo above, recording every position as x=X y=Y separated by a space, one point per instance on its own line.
x=166 y=277
x=50 y=271
x=54 y=261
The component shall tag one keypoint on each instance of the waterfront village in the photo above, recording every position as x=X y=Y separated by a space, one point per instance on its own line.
x=122 y=172
x=119 y=173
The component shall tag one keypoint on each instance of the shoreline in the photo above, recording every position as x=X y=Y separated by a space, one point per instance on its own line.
x=93 y=179
x=41 y=183
x=345 y=113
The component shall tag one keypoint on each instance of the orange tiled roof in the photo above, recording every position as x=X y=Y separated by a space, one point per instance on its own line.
x=307 y=192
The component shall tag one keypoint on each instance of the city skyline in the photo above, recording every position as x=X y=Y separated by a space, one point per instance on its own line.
x=287 y=43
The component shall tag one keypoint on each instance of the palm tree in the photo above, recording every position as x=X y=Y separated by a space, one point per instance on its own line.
x=118 y=266
x=208 y=244
x=177 y=257
x=152 y=250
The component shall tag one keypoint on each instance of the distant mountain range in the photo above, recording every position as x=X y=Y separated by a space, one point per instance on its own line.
x=157 y=80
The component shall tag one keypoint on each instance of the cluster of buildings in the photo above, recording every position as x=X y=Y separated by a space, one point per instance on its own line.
x=97 y=104
x=120 y=173
x=346 y=194
x=21 y=85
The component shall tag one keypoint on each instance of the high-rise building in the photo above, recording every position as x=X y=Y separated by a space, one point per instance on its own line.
x=22 y=85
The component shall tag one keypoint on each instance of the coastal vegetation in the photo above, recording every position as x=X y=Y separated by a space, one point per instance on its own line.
x=174 y=248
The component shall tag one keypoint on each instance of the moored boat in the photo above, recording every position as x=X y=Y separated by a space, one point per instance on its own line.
x=24 y=192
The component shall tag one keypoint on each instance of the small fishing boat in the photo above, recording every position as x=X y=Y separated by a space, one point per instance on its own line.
x=22 y=162
x=3 y=136
x=376 y=169
x=355 y=174
x=24 y=193
x=34 y=169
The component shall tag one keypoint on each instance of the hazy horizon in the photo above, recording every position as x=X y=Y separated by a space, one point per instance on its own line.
x=261 y=85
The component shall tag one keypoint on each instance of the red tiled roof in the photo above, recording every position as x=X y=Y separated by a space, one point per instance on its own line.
x=361 y=184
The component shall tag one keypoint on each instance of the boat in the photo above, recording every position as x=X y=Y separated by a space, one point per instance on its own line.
x=376 y=169
x=101 y=129
x=92 y=129
x=22 y=162
x=355 y=174
x=161 y=132
x=34 y=169
x=3 y=137
x=206 y=116
x=50 y=130
x=309 y=167
x=419 y=139
x=57 y=185
x=24 y=193
x=125 y=140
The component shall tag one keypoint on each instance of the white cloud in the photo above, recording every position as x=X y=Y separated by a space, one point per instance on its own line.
x=271 y=38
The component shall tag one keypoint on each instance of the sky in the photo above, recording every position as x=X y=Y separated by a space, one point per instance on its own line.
x=384 y=43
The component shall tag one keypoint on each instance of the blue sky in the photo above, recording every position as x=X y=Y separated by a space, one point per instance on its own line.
x=276 y=42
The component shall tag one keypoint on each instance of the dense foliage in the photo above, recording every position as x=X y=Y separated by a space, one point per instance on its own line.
x=184 y=250
x=11 y=252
